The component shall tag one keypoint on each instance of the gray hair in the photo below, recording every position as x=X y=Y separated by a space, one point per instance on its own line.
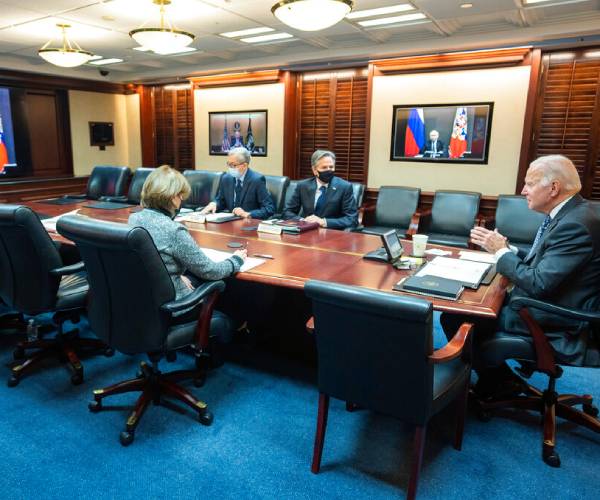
x=241 y=153
x=558 y=168
x=321 y=153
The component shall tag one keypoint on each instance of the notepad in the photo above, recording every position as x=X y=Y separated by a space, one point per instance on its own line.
x=469 y=273
x=219 y=256
x=489 y=258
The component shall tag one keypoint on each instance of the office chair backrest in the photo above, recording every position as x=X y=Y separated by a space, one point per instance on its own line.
x=289 y=192
x=358 y=191
x=134 y=195
x=515 y=220
x=277 y=186
x=128 y=283
x=107 y=181
x=27 y=255
x=454 y=212
x=204 y=184
x=396 y=205
x=373 y=348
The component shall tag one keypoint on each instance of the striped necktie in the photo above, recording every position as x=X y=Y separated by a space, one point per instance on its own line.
x=540 y=232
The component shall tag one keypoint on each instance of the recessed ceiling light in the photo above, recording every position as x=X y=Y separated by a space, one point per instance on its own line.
x=167 y=52
x=109 y=18
x=251 y=31
x=392 y=9
x=102 y=62
x=392 y=20
x=466 y=5
x=266 y=38
x=529 y=2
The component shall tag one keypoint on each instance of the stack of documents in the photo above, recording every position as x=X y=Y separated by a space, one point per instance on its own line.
x=50 y=224
x=219 y=256
x=488 y=258
x=468 y=272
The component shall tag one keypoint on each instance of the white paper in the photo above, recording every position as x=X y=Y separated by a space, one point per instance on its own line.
x=217 y=216
x=468 y=272
x=489 y=258
x=196 y=217
x=219 y=256
x=438 y=251
x=50 y=224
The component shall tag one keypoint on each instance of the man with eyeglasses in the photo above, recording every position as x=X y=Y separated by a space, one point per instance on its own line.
x=242 y=191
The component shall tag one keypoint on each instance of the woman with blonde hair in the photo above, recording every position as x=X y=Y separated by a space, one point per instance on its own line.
x=162 y=195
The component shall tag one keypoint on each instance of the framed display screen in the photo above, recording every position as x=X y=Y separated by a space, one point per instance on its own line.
x=233 y=129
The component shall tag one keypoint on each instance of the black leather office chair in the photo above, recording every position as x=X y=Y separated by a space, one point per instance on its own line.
x=536 y=353
x=452 y=216
x=133 y=309
x=395 y=209
x=375 y=351
x=516 y=221
x=289 y=192
x=204 y=184
x=358 y=190
x=277 y=186
x=33 y=281
x=134 y=194
x=106 y=181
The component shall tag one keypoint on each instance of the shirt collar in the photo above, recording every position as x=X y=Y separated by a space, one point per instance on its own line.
x=320 y=183
x=557 y=208
x=241 y=179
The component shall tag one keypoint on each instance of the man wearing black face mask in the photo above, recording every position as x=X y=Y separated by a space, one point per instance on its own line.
x=324 y=198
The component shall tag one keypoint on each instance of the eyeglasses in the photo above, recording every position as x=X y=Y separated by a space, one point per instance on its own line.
x=234 y=165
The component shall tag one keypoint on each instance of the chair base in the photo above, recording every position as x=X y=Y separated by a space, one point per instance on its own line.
x=64 y=346
x=153 y=385
x=550 y=405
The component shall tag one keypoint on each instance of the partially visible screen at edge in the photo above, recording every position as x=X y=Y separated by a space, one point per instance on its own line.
x=8 y=158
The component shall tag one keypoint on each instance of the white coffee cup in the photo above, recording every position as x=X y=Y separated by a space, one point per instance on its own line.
x=419 y=242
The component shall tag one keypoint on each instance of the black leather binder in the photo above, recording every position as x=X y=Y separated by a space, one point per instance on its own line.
x=432 y=286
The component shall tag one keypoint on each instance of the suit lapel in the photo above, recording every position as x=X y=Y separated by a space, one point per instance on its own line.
x=312 y=189
x=247 y=181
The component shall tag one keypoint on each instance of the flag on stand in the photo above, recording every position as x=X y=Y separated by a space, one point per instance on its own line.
x=458 y=141
x=3 y=151
x=415 y=132
x=225 y=145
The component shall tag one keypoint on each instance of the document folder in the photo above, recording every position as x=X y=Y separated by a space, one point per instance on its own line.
x=432 y=286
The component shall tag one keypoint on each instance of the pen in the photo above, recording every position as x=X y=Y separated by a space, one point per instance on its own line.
x=263 y=255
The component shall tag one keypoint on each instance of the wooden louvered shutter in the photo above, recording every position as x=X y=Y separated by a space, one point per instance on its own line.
x=333 y=115
x=567 y=116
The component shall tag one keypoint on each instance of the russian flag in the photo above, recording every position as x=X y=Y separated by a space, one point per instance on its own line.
x=415 y=132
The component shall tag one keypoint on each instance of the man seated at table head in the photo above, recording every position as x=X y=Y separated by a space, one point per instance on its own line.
x=434 y=148
x=242 y=191
x=562 y=267
x=324 y=198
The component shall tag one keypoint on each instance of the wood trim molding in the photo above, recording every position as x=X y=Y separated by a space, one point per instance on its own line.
x=452 y=61
x=290 y=116
x=236 y=79
x=30 y=189
x=11 y=78
x=147 y=125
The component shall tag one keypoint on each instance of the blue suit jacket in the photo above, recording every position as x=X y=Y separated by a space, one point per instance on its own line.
x=340 y=206
x=254 y=199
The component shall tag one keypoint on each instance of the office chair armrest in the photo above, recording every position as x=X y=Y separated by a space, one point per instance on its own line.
x=116 y=199
x=424 y=220
x=357 y=229
x=413 y=227
x=520 y=302
x=310 y=325
x=455 y=347
x=194 y=298
x=67 y=270
x=79 y=196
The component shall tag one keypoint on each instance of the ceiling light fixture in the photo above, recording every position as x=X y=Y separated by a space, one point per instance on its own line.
x=311 y=15
x=392 y=9
x=165 y=38
x=466 y=5
x=248 y=32
x=69 y=55
x=266 y=38
x=392 y=20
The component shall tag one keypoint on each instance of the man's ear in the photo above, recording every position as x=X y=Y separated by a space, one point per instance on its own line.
x=556 y=188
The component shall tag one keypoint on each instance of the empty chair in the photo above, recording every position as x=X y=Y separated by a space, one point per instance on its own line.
x=277 y=186
x=106 y=181
x=375 y=351
x=134 y=310
x=204 y=184
x=35 y=280
x=516 y=221
x=134 y=194
x=452 y=216
x=395 y=208
x=358 y=190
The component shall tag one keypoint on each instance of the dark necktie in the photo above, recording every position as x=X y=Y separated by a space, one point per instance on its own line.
x=434 y=147
x=320 y=201
x=238 y=192
x=540 y=232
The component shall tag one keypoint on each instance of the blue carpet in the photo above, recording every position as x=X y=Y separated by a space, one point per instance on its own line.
x=260 y=444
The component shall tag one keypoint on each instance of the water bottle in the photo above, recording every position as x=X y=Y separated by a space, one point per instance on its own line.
x=32 y=330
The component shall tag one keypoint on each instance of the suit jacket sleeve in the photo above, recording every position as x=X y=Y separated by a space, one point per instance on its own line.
x=349 y=215
x=567 y=248
x=293 y=206
x=265 y=202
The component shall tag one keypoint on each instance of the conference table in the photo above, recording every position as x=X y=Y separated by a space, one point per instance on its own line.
x=321 y=254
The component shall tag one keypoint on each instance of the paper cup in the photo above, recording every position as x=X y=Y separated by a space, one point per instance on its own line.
x=419 y=242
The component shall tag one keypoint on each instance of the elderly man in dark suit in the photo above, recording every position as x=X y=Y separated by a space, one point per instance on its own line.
x=434 y=148
x=562 y=267
x=242 y=191
x=324 y=198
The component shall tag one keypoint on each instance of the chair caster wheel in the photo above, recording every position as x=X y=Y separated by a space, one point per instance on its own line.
x=77 y=378
x=94 y=406
x=109 y=352
x=590 y=410
x=206 y=418
x=199 y=381
x=552 y=459
x=19 y=353
x=126 y=438
x=12 y=381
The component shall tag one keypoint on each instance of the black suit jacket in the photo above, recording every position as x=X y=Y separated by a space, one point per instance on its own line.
x=440 y=148
x=340 y=205
x=254 y=199
x=563 y=270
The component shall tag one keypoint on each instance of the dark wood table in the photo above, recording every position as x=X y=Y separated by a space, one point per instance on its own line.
x=323 y=254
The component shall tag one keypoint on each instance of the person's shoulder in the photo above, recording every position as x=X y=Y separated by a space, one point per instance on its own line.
x=339 y=183
x=252 y=175
x=305 y=183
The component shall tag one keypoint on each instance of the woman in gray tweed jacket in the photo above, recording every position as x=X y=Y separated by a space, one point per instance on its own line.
x=162 y=194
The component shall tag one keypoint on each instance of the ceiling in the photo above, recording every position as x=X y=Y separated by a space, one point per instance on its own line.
x=102 y=27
